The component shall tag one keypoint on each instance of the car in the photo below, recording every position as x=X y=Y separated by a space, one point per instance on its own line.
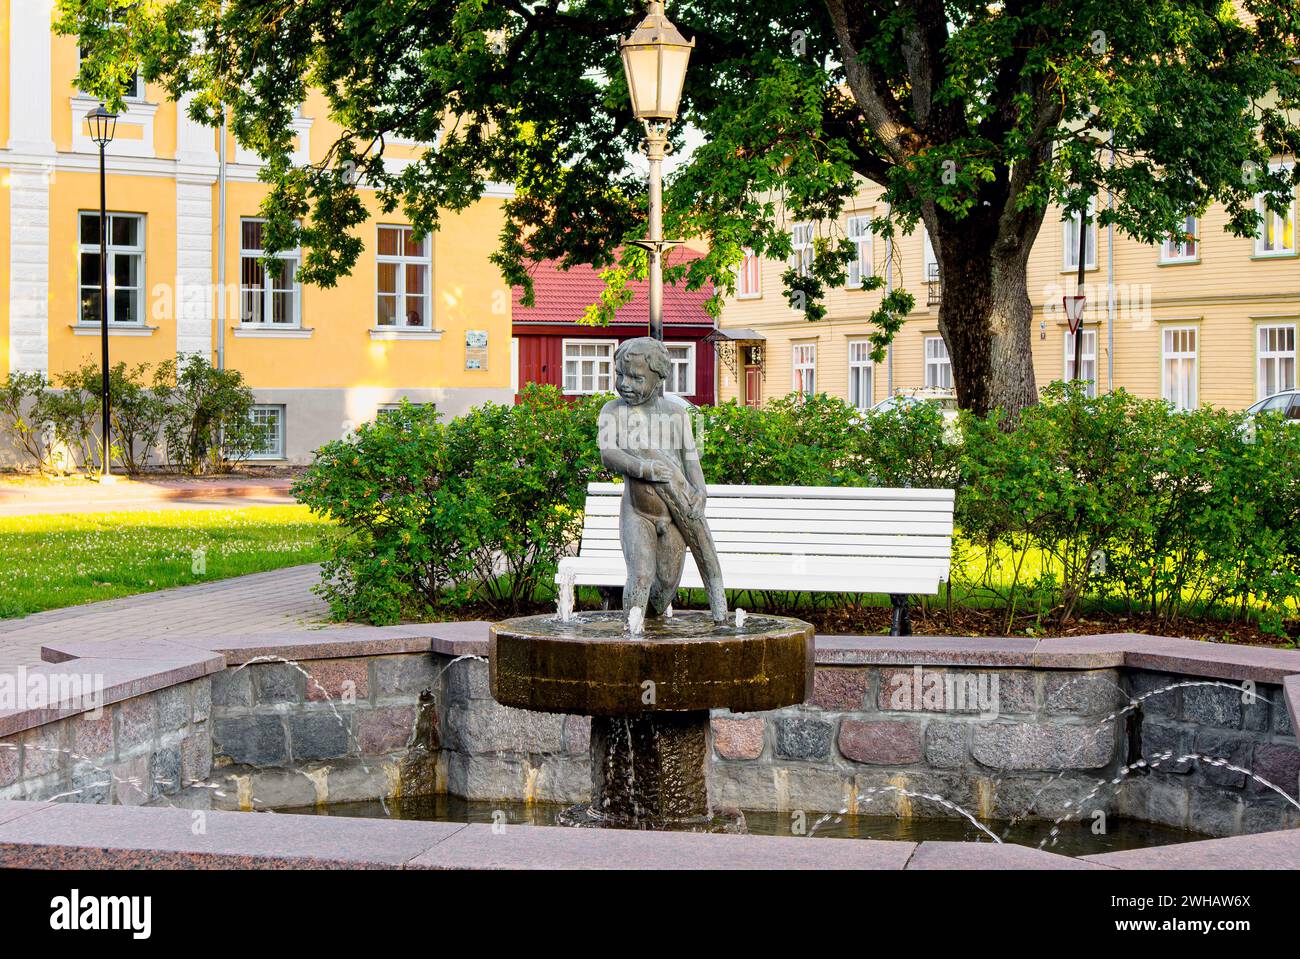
x=945 y=401
x=1287 y=403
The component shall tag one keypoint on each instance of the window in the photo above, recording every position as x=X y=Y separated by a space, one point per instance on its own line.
x=938 y=367
x=1179 y=361
x=928 y=258
x=805 y=368
x=588 y=366
x=271 y=420
x=1087 y=359
x=1181 y=247
x=1277 y=231
x=860 y=375
x=1071 y=238
x=748 y=277
x=125 y=268
x=1276 y=359
x=859 y=230
x=387 y=409
x=267 y=295
x=403 y=285
x=801 y=240
x=681 y=378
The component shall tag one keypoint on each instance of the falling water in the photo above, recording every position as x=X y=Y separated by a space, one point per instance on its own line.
x=741 y=616
x=564 y=601
x=635 y=621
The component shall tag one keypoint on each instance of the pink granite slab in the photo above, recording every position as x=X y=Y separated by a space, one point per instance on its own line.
x=1215 y=660
x=1291 y=689
x=11 y=809
x=923 y=650
x=119 y=679
x=985 y=855
x=550 y=847
x=73 y=836
x=1266 y=850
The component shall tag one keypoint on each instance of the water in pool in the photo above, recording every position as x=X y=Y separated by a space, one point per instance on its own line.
x=1074 y=838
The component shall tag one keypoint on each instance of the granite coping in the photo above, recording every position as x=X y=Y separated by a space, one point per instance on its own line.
x=1263 y=850
x=133 y=667
x=77 y=686
x=65 y=835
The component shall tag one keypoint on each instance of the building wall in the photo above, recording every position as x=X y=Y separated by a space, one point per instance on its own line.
x=334 y=371
x=540 y=353
x=1226 y=295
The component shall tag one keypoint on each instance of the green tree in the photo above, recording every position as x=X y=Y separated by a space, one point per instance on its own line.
x=974 y=116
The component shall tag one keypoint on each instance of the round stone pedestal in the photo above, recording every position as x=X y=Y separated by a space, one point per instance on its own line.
x=649 y=697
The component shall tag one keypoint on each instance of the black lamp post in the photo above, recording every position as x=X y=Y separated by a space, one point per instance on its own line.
x=654 y=60
x=102 y=127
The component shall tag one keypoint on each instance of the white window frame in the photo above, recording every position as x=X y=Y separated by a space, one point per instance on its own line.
x=689 y=363
x=861 y=367
x=294 y=257
x=928 y=259
x=280 y=435
x=610 y=345
x=803 y=360
x=802 y=252
x=1183 y=250
x=1087 y=359
x=1191 y=397
x=938 y=364
x=1070 y=239
x=137 y=251
x=1271 y=219
x=1267 y=355
x=402 y=260
x=858 y=230
x=751 y=270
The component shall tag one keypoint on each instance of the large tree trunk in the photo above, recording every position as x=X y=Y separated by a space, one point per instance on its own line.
x=985 y=315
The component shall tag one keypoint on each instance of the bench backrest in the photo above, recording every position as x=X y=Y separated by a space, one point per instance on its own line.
x=810 y=521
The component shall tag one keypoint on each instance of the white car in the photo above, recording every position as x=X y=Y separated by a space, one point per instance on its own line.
x=946 y=402
x=1287 y=403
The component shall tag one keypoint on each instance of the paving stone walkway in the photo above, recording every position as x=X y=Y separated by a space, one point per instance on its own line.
x=17 y=499
x=276 y=601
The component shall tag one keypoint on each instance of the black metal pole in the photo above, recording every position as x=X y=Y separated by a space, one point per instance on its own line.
x=105 y=467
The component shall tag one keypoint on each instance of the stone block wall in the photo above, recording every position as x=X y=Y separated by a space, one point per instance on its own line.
x=145 y=750
x=888 y=740
x=324 y=730
x=490 y=751
x=1219 y=722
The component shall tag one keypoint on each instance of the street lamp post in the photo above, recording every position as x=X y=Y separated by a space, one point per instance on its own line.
x=1075 y=304
x=102 y=127
x=655 y=56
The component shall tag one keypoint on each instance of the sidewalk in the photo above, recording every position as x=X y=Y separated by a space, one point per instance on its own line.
x=277 y=601
x=77 y=496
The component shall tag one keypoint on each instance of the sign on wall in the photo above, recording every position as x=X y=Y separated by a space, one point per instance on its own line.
x=476 y=349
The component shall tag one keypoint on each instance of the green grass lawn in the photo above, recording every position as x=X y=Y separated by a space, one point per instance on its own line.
x=54 y=560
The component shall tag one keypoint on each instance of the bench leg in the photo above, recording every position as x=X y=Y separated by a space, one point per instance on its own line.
x=901 y=624
x=611 y=597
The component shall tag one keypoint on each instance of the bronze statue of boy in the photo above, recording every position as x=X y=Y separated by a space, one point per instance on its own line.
x=648 y=438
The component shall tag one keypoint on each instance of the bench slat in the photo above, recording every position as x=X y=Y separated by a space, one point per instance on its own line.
x=779 y=510
x=890 y=580
x=801 y=492
x=935 y=527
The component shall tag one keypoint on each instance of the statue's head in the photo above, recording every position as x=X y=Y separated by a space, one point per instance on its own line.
x=640 y=365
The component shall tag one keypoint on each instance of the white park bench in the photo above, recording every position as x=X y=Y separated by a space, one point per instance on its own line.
x=796 y=538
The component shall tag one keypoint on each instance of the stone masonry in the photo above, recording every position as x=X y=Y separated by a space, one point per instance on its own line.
x=149 y=749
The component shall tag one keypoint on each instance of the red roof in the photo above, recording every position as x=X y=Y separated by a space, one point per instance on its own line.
x=561 y=296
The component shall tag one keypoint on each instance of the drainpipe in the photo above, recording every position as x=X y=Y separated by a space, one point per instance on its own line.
x=221 y=244
x=1110 y=282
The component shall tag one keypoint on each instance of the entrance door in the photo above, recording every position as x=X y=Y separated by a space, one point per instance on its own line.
x=753 y=386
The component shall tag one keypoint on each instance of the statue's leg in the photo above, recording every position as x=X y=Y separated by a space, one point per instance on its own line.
x=637 y=535
x=668 y=569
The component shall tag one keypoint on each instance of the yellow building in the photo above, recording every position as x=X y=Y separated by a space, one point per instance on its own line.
x=428 y=321
x=1209 y=321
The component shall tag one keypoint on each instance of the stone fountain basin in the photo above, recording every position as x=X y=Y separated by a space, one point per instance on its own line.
x=686 y=663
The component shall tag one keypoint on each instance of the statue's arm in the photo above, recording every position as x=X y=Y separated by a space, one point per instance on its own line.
x=622 y=462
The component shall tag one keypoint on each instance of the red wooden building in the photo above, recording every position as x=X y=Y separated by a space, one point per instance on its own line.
x=550 y=346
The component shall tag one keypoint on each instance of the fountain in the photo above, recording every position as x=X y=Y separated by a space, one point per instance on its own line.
x=649 y=676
